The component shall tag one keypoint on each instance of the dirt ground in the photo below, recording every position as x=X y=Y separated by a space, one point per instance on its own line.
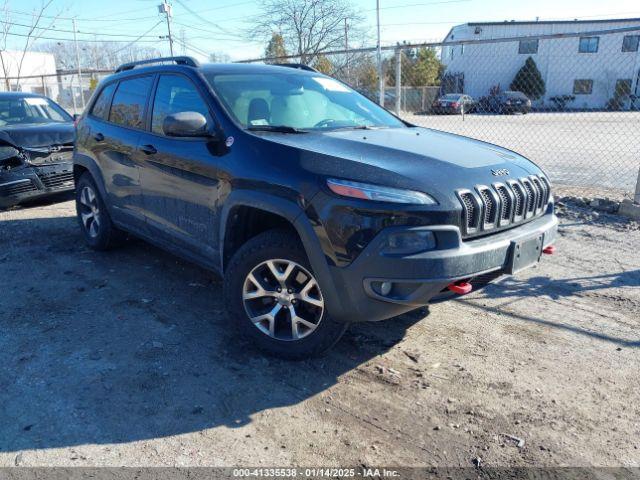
x=126 y=358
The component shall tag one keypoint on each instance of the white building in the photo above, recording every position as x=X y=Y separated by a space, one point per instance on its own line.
x=37 y=74
x=590 y=65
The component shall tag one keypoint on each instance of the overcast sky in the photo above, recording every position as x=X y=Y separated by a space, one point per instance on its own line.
x=218 y=25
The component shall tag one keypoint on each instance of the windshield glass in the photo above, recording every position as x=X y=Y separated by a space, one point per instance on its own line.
x=17 y=111
x=301 y=102
x=452 y=96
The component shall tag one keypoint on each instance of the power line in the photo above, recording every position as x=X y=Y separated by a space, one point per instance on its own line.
x=59 y=39
x=408 y=5
x=57 y=17
x=442 y=2
x=229 y=38
x=221 y=7
x=197 y=15
x=541 y=20
x=191 y=47
x=136 y=40
x=63 y=30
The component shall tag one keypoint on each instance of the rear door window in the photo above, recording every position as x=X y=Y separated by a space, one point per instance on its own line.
x=127 y=108
x=176 y=94
x=101 y=107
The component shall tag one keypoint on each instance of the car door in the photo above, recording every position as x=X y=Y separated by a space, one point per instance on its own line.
x=114 y=133
x=180 y=176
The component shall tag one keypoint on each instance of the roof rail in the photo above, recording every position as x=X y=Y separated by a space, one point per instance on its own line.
x=299 y=66
x=189 y=61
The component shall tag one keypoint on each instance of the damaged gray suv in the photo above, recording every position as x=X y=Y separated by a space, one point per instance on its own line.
x=36 y=148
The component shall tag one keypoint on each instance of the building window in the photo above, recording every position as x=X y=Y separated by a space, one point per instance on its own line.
x=528 y=47
x=589 y=44
x=630 y=43
x=623 y=87
x=582 y=87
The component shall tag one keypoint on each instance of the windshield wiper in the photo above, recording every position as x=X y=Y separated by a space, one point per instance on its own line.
x=361 y=127
x=275 y=128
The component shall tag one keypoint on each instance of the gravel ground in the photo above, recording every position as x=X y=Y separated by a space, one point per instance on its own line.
x=577 y=149
x=125 y=358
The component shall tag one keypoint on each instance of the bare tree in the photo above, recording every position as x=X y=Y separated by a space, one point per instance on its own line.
x=308 y=27
x=4 y=34
x=37 y=27
x=96 y=55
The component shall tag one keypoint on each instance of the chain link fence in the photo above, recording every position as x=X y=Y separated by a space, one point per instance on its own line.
x=68 y=88
x=569 y=102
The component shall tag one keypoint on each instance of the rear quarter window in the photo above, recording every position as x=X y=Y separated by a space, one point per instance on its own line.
x=103 y=102
x=127 y=108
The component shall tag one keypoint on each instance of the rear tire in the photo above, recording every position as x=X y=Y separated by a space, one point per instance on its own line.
x=96 y=225
x=274 y=300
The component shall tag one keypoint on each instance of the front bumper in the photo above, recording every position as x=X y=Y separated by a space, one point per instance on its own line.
x=419 y=278
x=31 y=182
x=446 y=110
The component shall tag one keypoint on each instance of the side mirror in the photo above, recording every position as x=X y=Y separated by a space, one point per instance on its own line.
x=185 y=124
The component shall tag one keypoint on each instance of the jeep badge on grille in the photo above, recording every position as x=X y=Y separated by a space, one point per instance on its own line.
x=501 y=172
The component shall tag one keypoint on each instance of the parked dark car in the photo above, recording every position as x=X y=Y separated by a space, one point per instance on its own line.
x=454 y=103
x=506 y=103
x=318 y=207
x=36 y=145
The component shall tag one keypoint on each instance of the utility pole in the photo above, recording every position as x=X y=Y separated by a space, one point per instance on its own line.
x=380 y=77
x=165 y=9
x=75 y=40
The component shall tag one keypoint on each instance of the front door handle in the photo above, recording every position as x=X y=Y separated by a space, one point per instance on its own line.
x=98 y=137
x=148 y=149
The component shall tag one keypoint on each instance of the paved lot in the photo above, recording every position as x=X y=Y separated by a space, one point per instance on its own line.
x=125 y=358
x=595 y=149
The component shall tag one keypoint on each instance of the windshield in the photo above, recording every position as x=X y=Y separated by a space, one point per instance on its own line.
x=452 y=96
x=300 y=102
x=17 y=111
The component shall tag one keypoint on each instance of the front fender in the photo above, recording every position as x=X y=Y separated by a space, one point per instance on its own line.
x=295 y=215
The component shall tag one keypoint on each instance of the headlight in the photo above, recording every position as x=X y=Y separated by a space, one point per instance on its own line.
x=378 y=193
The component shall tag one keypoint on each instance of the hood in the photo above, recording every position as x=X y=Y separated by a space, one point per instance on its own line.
x=38 y=135
x=415 y=158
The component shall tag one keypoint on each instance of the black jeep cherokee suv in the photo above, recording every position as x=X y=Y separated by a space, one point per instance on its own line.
x=319 y=207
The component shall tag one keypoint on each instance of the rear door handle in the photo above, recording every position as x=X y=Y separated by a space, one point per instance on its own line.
x=98 y=137
x=148 y=149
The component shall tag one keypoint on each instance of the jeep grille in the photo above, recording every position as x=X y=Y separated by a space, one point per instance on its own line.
x=488 y=208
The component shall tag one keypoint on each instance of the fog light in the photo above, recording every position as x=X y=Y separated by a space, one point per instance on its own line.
x=385 y=288
x=409 y=242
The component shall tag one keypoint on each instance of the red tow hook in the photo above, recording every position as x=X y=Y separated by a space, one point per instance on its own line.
x=550 y=250
x=461 y=288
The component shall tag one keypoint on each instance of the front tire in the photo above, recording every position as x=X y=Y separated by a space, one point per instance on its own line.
x=96 y=225
x=274 y=299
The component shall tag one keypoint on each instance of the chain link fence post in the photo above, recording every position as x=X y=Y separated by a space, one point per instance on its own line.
x=636 y=197
x=398 y=104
